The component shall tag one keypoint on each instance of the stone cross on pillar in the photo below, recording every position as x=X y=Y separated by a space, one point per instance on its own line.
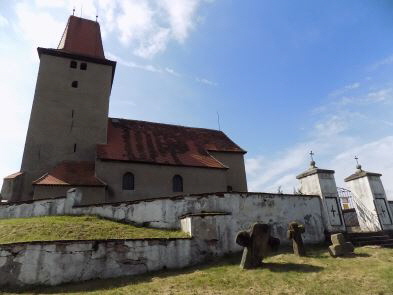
x=257 y=243
x=372 y=208
x=321 y=182
x=294 y=233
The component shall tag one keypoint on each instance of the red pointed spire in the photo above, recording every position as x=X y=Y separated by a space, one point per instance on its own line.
x=82 y=36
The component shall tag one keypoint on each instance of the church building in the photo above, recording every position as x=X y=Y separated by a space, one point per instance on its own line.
x=72 y=143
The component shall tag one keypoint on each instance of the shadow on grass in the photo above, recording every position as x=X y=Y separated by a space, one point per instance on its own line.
x=354 y=255
x=286 y=267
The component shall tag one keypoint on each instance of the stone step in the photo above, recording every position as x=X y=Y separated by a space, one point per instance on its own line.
x=365 y=234
x=371 y=238
x=374 y=242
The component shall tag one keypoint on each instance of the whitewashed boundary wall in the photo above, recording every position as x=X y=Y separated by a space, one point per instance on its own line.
x=245 y=209
x=53 y=263
x=42 y=207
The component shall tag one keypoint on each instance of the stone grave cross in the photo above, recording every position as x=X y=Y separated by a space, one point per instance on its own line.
x=340 y=247
x=257 y=243
x=295 y=234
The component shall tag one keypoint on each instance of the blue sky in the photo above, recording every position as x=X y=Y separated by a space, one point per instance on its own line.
x=286 y=77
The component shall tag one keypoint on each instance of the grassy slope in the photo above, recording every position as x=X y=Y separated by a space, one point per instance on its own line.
x=370 y=272
x=74 y=228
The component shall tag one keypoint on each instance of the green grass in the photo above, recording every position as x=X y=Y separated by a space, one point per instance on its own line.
x=75 y=228
x=369 y=272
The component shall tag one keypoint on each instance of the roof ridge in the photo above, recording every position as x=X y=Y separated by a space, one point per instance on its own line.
x=167 y=124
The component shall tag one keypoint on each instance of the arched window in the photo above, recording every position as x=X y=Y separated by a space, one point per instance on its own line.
x=128 y=181
x=73 y=64
x=177 y=183
x=83 y=66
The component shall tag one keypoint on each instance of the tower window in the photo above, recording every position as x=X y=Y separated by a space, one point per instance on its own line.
x=73 y=64
x=75 y=148
x=177 y=184
x=128 y=181
x=83 y=66
x=74 y=84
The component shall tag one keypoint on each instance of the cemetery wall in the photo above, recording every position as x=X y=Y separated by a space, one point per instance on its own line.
x=245 y=209
x=53 y=263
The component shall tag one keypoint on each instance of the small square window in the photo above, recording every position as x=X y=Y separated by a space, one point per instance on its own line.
x=73 y=64
x=84 y=66
x=74 y=84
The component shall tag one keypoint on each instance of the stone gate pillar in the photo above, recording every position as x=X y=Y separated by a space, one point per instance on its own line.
x=321 y=182
x=372 y=207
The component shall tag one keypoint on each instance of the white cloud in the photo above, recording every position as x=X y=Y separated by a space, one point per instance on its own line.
x=206 y=81
x=380 y=95
x=181 y=16
x=375 y=156
x=14 y=113
x=386 y=61
x=135 y=21
x=38 y=27
x=264 y=173
x=50 y=3
x=155 y=44
x=148 y=26
x=144 y=26
x=172 y=72
x=337 y=154
x=3 y=21
x=352 y=86
x=342 y=128
x=331 y=126
x=144 y=67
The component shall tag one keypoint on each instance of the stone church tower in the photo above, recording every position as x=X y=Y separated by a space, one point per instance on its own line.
x=69 y=116
x=72 y=143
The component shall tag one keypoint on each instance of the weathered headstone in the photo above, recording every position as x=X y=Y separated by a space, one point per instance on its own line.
x=257 y=243
x=340 y=247
x=294 y=233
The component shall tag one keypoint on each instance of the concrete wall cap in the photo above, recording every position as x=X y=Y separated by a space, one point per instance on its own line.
x=360 y=174
x=313 y=171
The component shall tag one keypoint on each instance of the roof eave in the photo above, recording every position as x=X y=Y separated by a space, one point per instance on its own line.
x=159 y=164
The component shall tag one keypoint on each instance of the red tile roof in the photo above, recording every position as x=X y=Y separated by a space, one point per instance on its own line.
x=156 y=143
x=82 y=36
x=71 y=173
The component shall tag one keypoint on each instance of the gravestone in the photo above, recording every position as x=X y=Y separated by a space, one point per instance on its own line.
x=340 y=247
x=295 y=234
x=257 y=243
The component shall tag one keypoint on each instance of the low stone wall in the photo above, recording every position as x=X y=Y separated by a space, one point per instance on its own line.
x=43 y=207
x=245 y=208
x=53 y=263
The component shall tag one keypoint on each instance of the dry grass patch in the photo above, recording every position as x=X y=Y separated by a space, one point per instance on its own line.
x=75 y=228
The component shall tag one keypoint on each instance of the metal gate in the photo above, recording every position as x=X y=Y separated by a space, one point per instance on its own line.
x=348 y=207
